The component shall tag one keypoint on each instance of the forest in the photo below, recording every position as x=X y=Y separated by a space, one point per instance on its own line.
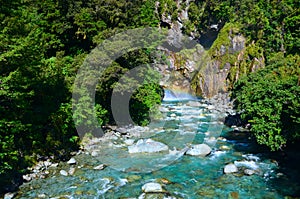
x=44 y=43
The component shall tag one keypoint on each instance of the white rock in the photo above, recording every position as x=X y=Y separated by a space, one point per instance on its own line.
x=230 y=168
x=72 y=161
x=152 y=187
x=249 y=172
x=63 y=173
x=27 y=177
x=99 y=167
x=42 y=195
x=199 y=150
x=71 y=171
x=129 y=142
x=173 y=115
x=94 y=153
x=9 y=195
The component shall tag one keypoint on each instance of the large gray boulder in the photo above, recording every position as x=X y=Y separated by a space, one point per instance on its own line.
x=147 y=146
x=199 y=150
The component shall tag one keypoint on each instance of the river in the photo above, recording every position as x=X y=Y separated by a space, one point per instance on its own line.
x=186 y=121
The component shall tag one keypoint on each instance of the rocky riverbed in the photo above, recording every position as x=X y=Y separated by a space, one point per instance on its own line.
x=189 y=153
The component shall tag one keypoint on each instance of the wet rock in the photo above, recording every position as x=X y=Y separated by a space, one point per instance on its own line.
x=72 y=161
x=152 y=187
x=63 y=173
x=230 y=168
x=147 y=146
x=199 y=150
x=9 y=195
x=249 y=172
x=99 y=167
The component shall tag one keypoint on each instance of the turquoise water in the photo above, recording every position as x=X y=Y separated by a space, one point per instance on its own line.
x=180 y=175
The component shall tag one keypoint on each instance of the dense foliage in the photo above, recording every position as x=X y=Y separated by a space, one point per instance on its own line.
x=270 y=101
x=42 y=45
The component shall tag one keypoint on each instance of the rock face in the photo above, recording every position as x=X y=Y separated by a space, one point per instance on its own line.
x=199 y=150
x=152 y=187
x=147 y=146
x=230 y=168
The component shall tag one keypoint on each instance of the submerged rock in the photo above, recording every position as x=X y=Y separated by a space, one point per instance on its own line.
x=230 y=168
x=152 y=187
x=199 y=150
x=147 y=146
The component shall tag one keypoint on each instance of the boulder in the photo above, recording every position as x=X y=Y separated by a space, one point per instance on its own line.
x=152 y=187
x=147 y=146
x=230 y=168
x=199 y=150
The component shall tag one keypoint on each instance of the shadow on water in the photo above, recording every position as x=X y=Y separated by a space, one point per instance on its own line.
x=286 y=177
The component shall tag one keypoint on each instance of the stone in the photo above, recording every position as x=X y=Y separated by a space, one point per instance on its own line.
x=147 y=146
x=63 y=173
x=72 y=161
x=173 y=115
x=71 y=171
x=129 y=142
x=133 y=178
x=199 y=150
x=249 y=172
x=9 y=195
x=42 y=195
x=99 y=167
x=230 y=168
x=152 y=187
x=94 y=153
